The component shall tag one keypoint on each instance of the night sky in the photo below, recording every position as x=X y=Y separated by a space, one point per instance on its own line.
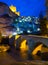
x=28 y=7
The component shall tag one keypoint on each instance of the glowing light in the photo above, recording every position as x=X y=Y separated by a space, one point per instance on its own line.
x=15 y=33
x=20 y=20
x=4 y=48
x=37 y=22
x=18 y=29
x=44 y=49
x=13 y=9
x=18 y=13
x=17 y=36
x=28 y=31
x=10 y=35
x=47 y=25
x=38 y=29
x=38 y=48
x=24 y=47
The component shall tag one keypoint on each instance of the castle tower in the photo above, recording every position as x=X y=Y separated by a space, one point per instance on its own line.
x=13 y=9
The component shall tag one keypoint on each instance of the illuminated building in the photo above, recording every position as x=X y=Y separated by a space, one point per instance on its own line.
x=13 y=9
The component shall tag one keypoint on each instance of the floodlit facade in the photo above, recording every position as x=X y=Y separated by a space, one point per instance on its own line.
x=13 y=9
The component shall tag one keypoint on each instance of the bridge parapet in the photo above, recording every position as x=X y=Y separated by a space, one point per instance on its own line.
x=36 y=39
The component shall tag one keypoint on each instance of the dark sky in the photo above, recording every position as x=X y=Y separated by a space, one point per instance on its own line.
x=28 y=7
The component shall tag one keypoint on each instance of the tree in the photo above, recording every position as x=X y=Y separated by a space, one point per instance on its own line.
x=42 y=21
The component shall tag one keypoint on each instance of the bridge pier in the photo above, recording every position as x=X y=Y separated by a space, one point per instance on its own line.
x=32 y=41
x=12 y=42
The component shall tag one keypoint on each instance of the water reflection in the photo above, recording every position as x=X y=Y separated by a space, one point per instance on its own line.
x=27 y=56
x=23 y=55
x=15 y=56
